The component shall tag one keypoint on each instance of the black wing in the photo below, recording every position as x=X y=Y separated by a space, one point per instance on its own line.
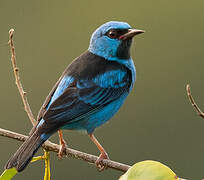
x=95 y=83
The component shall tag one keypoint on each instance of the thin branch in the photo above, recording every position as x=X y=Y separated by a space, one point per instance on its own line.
x=195 y=106
x=17 y=77
x=70 y=152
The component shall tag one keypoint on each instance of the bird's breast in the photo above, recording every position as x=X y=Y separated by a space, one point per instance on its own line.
x=101 y=116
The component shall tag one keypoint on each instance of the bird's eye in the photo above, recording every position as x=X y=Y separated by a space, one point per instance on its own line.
x=116 y=33
x=113 y=34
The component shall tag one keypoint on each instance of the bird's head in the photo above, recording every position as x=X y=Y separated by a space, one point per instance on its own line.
x=113 y=40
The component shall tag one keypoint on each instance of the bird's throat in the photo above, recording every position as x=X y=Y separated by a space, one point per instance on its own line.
x=123 y=51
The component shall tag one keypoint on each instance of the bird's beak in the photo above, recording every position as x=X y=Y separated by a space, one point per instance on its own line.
x=131 y=33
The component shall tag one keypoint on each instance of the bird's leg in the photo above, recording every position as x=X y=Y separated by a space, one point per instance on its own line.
x=63 y=145
x=103 y=154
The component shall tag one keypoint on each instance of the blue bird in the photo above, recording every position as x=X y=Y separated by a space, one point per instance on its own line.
x=89 y=92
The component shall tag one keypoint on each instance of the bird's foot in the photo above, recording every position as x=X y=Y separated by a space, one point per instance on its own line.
x=62 y=150
x=99 y=162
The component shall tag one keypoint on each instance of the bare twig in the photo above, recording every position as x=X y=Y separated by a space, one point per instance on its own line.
x=17 y=77
x=199 y=112
x=70 y=152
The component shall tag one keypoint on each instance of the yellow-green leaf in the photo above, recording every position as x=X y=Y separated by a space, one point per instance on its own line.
x=8 y=174
x=151 y=170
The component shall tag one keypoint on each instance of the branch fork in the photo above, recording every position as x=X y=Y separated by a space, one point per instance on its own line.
x=49 y=146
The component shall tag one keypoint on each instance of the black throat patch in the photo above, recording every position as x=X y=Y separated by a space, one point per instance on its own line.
x=123 y=51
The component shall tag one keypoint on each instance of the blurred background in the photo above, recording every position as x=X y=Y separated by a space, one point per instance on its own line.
x=156 y=122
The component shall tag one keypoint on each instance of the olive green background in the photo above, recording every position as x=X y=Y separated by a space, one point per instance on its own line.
x=156 y=122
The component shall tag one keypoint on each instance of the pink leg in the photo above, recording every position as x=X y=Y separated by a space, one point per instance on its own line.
x=63 y=145
x=103 y=154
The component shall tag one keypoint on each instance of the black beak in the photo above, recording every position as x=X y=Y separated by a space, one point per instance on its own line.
x=131 y=33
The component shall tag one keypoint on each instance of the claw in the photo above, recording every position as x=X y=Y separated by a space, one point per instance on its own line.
x=99 y=162
x=62 y=150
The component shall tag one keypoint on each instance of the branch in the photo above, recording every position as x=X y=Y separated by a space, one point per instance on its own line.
x=17 y=77
x=195 y=106
x=49 y=146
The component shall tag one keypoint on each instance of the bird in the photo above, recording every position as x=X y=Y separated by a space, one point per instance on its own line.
x=88 y=94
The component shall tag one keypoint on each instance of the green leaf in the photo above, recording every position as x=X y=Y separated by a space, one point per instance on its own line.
x=151 y=170
x=8 y=174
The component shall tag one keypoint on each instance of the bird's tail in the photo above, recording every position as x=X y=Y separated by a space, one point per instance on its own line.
x=26 y=151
